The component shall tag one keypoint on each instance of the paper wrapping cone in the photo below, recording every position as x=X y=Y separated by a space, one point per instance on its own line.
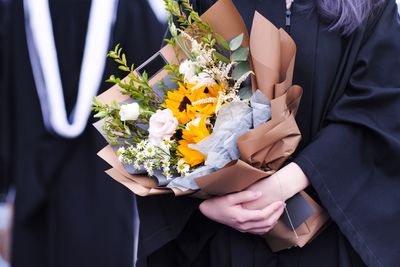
x=263 y=149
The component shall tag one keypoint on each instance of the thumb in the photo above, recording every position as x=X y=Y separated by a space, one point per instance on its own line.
x=243 y=196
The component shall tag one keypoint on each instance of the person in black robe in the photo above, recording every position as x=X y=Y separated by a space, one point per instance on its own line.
x=68 y=212
x=350 y=146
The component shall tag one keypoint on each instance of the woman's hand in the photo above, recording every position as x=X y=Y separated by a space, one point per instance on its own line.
x=229 y=210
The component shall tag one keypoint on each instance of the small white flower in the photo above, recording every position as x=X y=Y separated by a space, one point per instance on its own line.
x=141 y=155
x=183 y=168
x=165 y=145
x=121 y=158
x=141 y=145
x=132 y=150
x=165 y=165
x=167 y=175
x=148 y=166
x=150 y=150
x=129 y=112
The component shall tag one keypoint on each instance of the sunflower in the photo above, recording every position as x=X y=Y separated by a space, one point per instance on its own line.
x=204 y=99
x=195 y=132
x=187 y=104
x=177 y=101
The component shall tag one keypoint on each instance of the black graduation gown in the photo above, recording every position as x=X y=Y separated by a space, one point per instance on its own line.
x=351 y=144
x=4 y=42
x=68 y=212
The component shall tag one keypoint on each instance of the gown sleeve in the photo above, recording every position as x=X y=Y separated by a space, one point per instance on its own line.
x=353 y=161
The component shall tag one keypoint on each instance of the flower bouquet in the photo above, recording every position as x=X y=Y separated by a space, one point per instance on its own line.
x=188 y=121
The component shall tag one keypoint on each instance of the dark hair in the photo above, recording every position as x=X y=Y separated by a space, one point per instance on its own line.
x=346 y=15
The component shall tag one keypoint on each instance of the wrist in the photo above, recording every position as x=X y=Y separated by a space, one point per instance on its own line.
x=292 y=180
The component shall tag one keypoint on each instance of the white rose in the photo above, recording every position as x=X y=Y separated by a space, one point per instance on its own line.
x=162 y=125
x=129 y=112
x=188 y=69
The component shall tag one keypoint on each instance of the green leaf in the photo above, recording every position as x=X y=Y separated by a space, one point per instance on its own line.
x=245 y=92
x=222 y=58
x=240 y=69
x=240 y=55
x=236 y=42
x=100 y=114
x=123 y=68
x=221 y=40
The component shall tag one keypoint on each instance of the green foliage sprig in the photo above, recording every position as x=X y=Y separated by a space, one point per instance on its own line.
x=116 y=130
x=137 y=86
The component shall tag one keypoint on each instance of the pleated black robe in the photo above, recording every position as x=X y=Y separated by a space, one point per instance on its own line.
x=68 y=212
x=350 y=123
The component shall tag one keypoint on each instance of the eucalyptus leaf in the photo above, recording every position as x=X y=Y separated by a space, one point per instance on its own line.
x=240 y=55
x=236 y=42
x=240 y=69
x=245 y=92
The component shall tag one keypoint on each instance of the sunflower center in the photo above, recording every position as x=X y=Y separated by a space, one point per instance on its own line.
x=185 y=101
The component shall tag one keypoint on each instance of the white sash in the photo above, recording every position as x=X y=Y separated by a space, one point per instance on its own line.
x=45 y=67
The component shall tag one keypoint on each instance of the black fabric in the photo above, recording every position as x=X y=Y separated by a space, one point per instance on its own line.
x=351 y=142
x=5 y=177
x=68 y=212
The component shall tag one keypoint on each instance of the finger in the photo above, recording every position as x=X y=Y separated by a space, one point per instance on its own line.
x=268 y=220
x=243 y=196
x=274 y=212
x=264 y=214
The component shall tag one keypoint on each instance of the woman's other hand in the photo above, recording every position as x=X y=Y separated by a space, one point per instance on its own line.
x=229 y=210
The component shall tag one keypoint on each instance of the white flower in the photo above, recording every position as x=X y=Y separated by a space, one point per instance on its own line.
x=148 y=166
x=183 y=168
x=141 y=145
x=132 y=150
x=188 y=69
x=202 y=79
x=140 y=156
x=120 y=154
x=129 y=112
x=167 y=175
x=165 y=165
x=165 y=145
x=150 y=150
x=162 y=125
